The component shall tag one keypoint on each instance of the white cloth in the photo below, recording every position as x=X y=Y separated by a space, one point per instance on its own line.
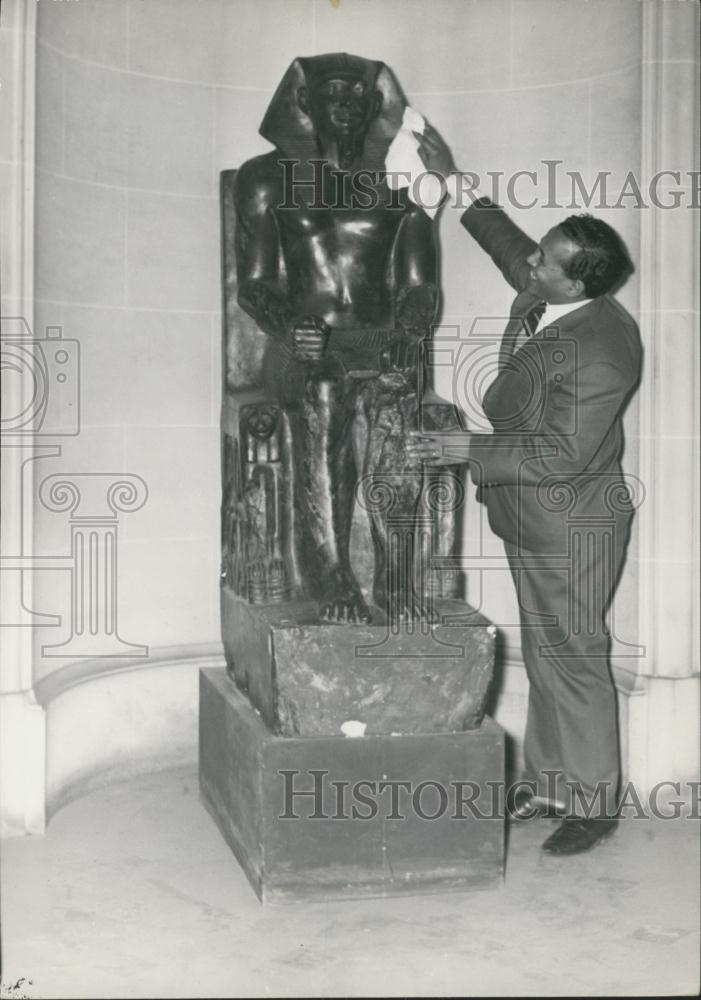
x=405 y=168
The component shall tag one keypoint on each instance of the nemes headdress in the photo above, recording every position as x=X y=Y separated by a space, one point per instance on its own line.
x=292 y=131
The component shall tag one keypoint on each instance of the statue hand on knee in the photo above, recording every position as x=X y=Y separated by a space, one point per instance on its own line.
x=310 y=335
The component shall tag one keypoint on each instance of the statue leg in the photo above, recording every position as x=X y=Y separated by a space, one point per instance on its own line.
x=326 y=476
x=442 y=501
x=402 y=541
x=401 y=527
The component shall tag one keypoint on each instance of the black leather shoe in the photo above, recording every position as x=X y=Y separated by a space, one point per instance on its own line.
x=527 y=806
x=576 y=835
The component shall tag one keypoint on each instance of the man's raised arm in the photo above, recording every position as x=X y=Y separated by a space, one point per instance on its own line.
x=506 y=244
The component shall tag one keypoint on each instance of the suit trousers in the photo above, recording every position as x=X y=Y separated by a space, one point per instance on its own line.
x=571 y=741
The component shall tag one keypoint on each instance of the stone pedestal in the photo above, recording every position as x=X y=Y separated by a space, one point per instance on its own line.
x=307 y=678
x=328 y=817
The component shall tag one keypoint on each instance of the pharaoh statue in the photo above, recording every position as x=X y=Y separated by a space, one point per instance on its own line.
x=325 y=373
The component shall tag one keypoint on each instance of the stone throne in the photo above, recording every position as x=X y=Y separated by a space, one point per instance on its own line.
x=415 y=688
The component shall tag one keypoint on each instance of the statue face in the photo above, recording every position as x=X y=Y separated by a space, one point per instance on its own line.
x=260 y=421
x=340 y=107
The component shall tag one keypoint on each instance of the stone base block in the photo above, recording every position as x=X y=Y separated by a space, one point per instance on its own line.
x=308 y=677
x=336 y=818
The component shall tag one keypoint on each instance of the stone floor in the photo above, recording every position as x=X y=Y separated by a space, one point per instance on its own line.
x=133 y=893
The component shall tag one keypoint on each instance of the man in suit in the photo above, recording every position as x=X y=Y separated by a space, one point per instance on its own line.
x=551 y=480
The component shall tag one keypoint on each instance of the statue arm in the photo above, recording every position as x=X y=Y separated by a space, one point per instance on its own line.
x=261 y=292
x=415 y=277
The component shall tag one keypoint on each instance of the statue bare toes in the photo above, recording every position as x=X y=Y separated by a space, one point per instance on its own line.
x=345 y=604
x=405 y=607
x=423 y=610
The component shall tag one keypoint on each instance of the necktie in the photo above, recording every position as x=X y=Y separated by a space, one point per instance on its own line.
x=534 y=317
x=518 y=329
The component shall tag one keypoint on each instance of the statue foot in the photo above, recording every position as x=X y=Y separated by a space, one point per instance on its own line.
x=345 y=603
x=405 y=605
x=412 y=609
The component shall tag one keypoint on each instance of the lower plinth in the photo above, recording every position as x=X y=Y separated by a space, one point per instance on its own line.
x=331 y=817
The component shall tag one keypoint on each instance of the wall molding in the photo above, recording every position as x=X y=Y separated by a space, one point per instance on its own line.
x=22 y=765
x=144 y=716
x=668 y=586
x=18 y=301
x=22 y=758
x=58 y=682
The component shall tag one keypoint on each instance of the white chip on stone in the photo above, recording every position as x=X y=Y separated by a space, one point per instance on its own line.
x=353 y=728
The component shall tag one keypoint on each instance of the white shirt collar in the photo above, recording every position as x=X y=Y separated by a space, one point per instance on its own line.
x=555 y=311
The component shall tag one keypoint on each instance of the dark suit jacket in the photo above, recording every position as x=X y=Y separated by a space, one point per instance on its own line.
x=555 y=408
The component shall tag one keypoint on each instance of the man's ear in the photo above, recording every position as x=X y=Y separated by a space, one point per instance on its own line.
x=576 y=289
x=303 y=99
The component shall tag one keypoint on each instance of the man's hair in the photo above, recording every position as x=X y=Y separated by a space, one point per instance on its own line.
x=602 y=260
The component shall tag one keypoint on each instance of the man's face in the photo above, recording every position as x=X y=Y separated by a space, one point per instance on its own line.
x=341 y=107
x=547 y=278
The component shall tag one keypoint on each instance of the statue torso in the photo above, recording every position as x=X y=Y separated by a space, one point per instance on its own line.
x=338 y=258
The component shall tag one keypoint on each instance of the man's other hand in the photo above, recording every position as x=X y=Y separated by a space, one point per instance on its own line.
x=439 y=447
x=401 y=355
x=310 y=336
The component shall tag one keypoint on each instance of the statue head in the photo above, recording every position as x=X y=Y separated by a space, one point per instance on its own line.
x=338 y=96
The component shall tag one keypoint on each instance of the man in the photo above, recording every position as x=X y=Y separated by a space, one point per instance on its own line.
x=550 y=477
x=341 y=279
